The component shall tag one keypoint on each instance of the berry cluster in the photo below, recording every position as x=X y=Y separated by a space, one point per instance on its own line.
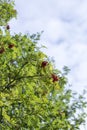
x=10 y=45
x=53 y=76
x=44 y=64
x=7 y=27
x=2 y=50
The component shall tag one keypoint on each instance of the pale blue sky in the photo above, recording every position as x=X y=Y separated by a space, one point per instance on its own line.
x=65 y=33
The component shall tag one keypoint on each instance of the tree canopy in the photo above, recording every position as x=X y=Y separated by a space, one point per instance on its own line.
x=34 y=95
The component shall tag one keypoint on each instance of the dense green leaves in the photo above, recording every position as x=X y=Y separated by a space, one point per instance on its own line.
x=7 y=11
x=33 y=93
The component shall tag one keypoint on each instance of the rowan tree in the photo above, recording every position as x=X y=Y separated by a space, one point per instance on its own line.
x=33 y=93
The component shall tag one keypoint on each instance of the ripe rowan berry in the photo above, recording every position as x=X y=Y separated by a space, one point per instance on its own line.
x=10 y=45
x=44 y=63
x=55 y=77
x=2 y=50
x=7 y=27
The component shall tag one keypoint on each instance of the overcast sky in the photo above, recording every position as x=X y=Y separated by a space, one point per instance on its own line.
x=64 y=23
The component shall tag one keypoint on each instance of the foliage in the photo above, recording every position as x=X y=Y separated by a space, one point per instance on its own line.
x=33 y=93
x=7 y=11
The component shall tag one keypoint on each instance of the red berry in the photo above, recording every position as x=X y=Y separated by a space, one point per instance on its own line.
x=2 y=50
x=44 y=63
x=10 y=45
x=7 y=27
x=55 y=77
